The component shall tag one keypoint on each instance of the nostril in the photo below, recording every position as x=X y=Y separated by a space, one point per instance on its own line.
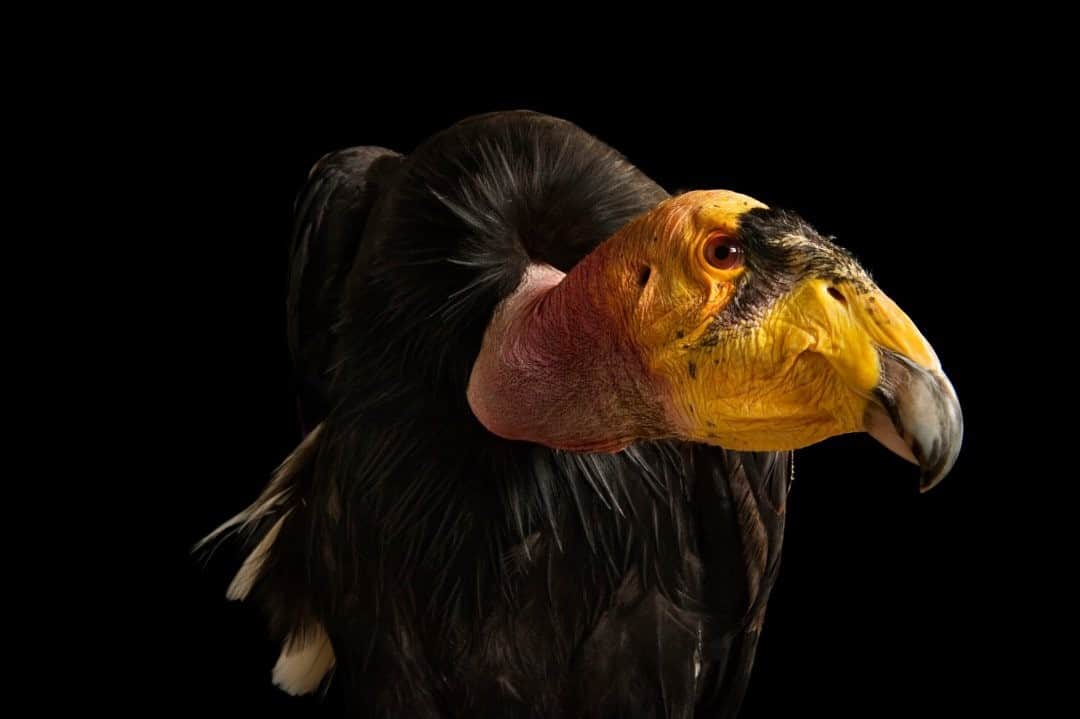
x=837 y=295
x=643 y=276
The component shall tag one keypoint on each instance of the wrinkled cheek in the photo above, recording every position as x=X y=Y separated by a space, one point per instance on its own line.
x=778 y=396
x=766 y=358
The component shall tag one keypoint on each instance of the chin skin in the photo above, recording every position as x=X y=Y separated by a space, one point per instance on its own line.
x=802 y=403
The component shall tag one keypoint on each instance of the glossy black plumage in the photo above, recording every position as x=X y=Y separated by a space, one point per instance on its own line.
x=457 y=573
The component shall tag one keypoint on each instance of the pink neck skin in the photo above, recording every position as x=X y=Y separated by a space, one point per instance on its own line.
x=557 y=368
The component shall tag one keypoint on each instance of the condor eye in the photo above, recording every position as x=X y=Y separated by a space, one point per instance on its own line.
x=724 y=253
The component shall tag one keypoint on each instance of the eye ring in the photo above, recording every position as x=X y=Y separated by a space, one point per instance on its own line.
x=724 y=253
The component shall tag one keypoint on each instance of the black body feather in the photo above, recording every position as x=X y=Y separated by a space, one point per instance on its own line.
x=457 y=573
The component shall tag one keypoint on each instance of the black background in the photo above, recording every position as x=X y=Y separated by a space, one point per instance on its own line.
x=888 y=602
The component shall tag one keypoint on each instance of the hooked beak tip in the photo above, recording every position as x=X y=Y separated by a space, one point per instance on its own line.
x=917 y=415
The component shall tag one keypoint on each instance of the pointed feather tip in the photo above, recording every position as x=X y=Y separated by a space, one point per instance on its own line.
x=251 y=570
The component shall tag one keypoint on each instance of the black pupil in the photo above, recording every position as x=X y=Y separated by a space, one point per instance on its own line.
x=722 y=252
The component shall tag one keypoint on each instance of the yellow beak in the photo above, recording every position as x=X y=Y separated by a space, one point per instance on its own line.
x=832 y=357
x=879 y=353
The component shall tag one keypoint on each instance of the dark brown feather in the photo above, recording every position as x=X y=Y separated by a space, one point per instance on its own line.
x=459 y=574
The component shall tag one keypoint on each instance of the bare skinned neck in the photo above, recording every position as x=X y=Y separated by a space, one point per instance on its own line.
x=556 y=366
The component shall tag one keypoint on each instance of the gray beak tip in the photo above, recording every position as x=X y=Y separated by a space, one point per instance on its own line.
x=919 y=418
x=941 y=459
x=929 y=480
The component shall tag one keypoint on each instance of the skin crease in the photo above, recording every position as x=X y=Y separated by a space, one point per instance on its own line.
x=596 y=359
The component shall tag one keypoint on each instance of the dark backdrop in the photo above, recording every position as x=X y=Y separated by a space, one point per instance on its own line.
x=888 y=601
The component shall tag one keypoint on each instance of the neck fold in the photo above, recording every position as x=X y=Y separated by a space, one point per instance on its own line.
x=556 y=366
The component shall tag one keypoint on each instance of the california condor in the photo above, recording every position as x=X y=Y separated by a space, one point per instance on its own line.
x=549 y=415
